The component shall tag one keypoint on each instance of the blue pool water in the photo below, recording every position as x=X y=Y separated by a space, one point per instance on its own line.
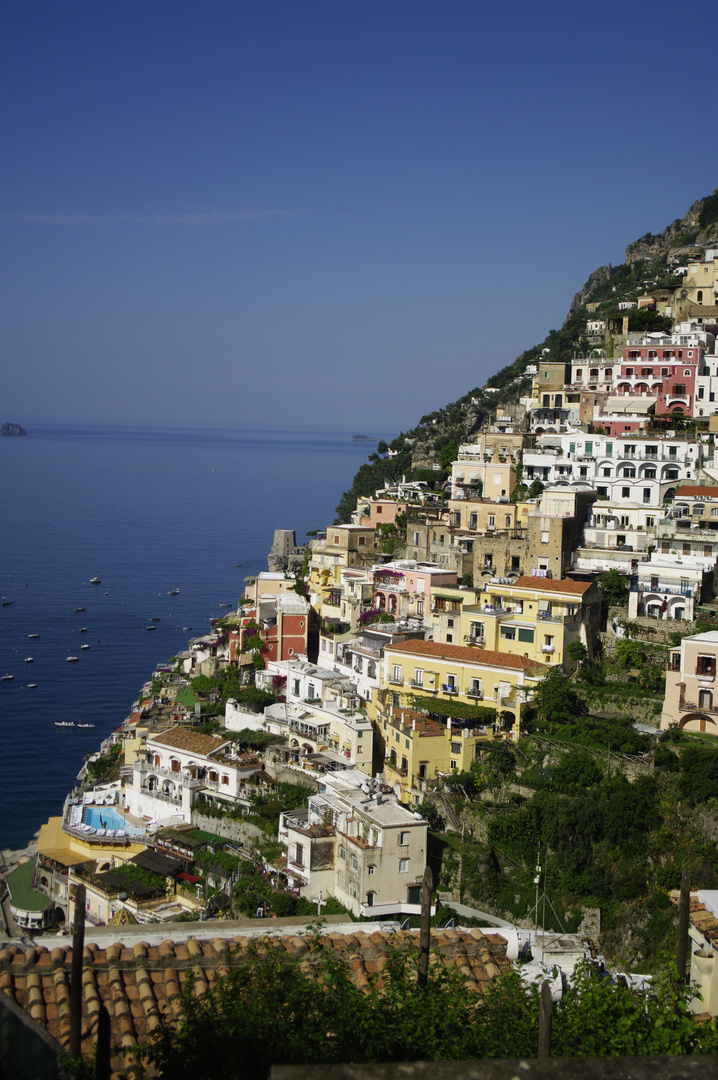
x=104 y=817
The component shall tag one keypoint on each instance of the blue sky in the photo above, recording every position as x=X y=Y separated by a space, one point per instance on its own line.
x=338 y=215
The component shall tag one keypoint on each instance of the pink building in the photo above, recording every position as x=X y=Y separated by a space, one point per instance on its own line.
x=666 y=372
x=403 y=588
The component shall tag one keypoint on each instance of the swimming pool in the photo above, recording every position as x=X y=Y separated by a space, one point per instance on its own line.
x=104 y=817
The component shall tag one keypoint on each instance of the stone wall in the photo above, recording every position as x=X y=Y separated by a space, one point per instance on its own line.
x=243 y=833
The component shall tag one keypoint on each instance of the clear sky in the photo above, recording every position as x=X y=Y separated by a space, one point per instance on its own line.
x=338 y=215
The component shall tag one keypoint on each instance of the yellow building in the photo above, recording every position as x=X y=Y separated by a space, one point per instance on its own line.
x=423 y=683
x=534 y=618
x=343 y=546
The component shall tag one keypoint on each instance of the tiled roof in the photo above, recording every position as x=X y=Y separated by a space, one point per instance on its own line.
x=142 y=985
x=192 y=742
x=555 y=585
x=694 y=490
x=477 y=657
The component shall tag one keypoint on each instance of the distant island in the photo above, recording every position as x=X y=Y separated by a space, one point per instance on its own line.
x=364 y=438
x=13 y=429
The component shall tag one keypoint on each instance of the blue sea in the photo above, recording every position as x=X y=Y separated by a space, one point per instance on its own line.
x=146 y=511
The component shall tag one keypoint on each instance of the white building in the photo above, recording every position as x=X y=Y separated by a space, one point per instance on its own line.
x=671 y=587
x=359 y=845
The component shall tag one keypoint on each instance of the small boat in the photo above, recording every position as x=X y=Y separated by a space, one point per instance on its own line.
x=33 y=635
x=6 y=603
x=64 y=723
x=225 y=605
x=6 y=678
x=155 y=618
x=186 y=627
x=85 y=646
x=172 y=592
x=72 y=659
x=29 y=659
x=78 y=609
x=83 y=629
x=85 y=725
x=31 y=685
x=150 y=628
x=95 y=581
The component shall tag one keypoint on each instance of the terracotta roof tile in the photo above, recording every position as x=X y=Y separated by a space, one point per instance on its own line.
x=555 y=585
x=193 y=742
x=476 y=657
x=142 y=985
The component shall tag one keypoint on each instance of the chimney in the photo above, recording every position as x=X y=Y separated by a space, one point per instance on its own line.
x=413 y=723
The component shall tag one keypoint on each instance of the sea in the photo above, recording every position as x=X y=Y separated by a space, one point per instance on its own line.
x=148 y=511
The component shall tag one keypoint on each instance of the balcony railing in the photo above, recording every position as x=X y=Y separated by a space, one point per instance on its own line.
x=396 y=680
x=669 y=590
x=450 y=688
x=548 y=648
x=179 y=777
x=477 y=695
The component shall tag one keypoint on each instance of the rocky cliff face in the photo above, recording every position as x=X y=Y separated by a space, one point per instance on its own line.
x=12 y=429
x=696 y=227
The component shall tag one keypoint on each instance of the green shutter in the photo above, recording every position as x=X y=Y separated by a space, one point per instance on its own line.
x=526 y=635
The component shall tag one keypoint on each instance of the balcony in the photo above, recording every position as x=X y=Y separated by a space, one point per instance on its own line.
x=396 y=680
x=668 y=590
x=548 y=649
x=418 y=684
x=475 y=695
x=474 y=639
x=390 y=586
x=179 y=777
x=450 y=688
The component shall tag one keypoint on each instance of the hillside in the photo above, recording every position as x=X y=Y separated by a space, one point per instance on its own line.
x=649 y=264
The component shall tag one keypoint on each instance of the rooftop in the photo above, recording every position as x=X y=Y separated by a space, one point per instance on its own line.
x=182 y=738
x=554 y=585
x=142 y=984
x=477 y=657
x=22 y=894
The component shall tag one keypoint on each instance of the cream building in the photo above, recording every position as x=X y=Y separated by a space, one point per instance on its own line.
x=691 y=698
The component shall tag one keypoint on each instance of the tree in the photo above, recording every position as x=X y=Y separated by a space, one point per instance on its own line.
x=556 y=700
x=577 y=652
x=535 y=489
x=614 y=587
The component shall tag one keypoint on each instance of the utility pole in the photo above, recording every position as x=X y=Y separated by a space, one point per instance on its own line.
x=425 y=928
x=78 y=948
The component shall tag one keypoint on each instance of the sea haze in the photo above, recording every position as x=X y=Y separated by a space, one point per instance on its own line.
x=145 y=510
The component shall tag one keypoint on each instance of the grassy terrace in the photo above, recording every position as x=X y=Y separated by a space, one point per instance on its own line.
x=21 y=890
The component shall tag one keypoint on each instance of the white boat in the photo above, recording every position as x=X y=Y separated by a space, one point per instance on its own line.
x=78 y=609
x=6 y=678
x=33 y=635
x=85 y=725
x=64 y=723
x=85 y=646
x=29 y=659
x=95 y=581
x=173 y=592
x=83 y=629
x=72 y=659
x=31 y=685
x=150 y=628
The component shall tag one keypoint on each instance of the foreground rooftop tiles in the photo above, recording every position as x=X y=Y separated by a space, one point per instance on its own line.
x=142 y=984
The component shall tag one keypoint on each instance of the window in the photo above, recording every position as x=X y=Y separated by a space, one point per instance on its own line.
x=475 y=688
x=526 y=635
x=492 y=521
x=589 y=448
x=354 y=862
x=371 y=870
x=418 y=677
x=679 y=389
x=455 y=748
x=403 y=866
x=626 y=493
x=607 y=470
x=299 y=854
x=628 y=471
x=397 y=675
x=646 y=495
x=225 y=778
x=416 y=538
x=336 y=539
x=508 y=633
x=650 y=522
x=544 y=537
x=450 y=623
x=362 y=541
x=473 y=520
x=403 y=839
x=609 y=449
x=342 y=852
x=507 y=520
x=419 y=607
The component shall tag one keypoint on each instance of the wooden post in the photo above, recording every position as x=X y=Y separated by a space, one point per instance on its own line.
x=683 y=919
x=78 y=948
x=425 y=929
x=545 y=1017
x=103 y=1068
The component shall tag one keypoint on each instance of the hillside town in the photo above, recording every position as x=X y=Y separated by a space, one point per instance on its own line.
x=404 y=685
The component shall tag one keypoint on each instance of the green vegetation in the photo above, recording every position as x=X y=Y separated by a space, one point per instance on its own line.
x=106 y=767
x=273 y=1009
